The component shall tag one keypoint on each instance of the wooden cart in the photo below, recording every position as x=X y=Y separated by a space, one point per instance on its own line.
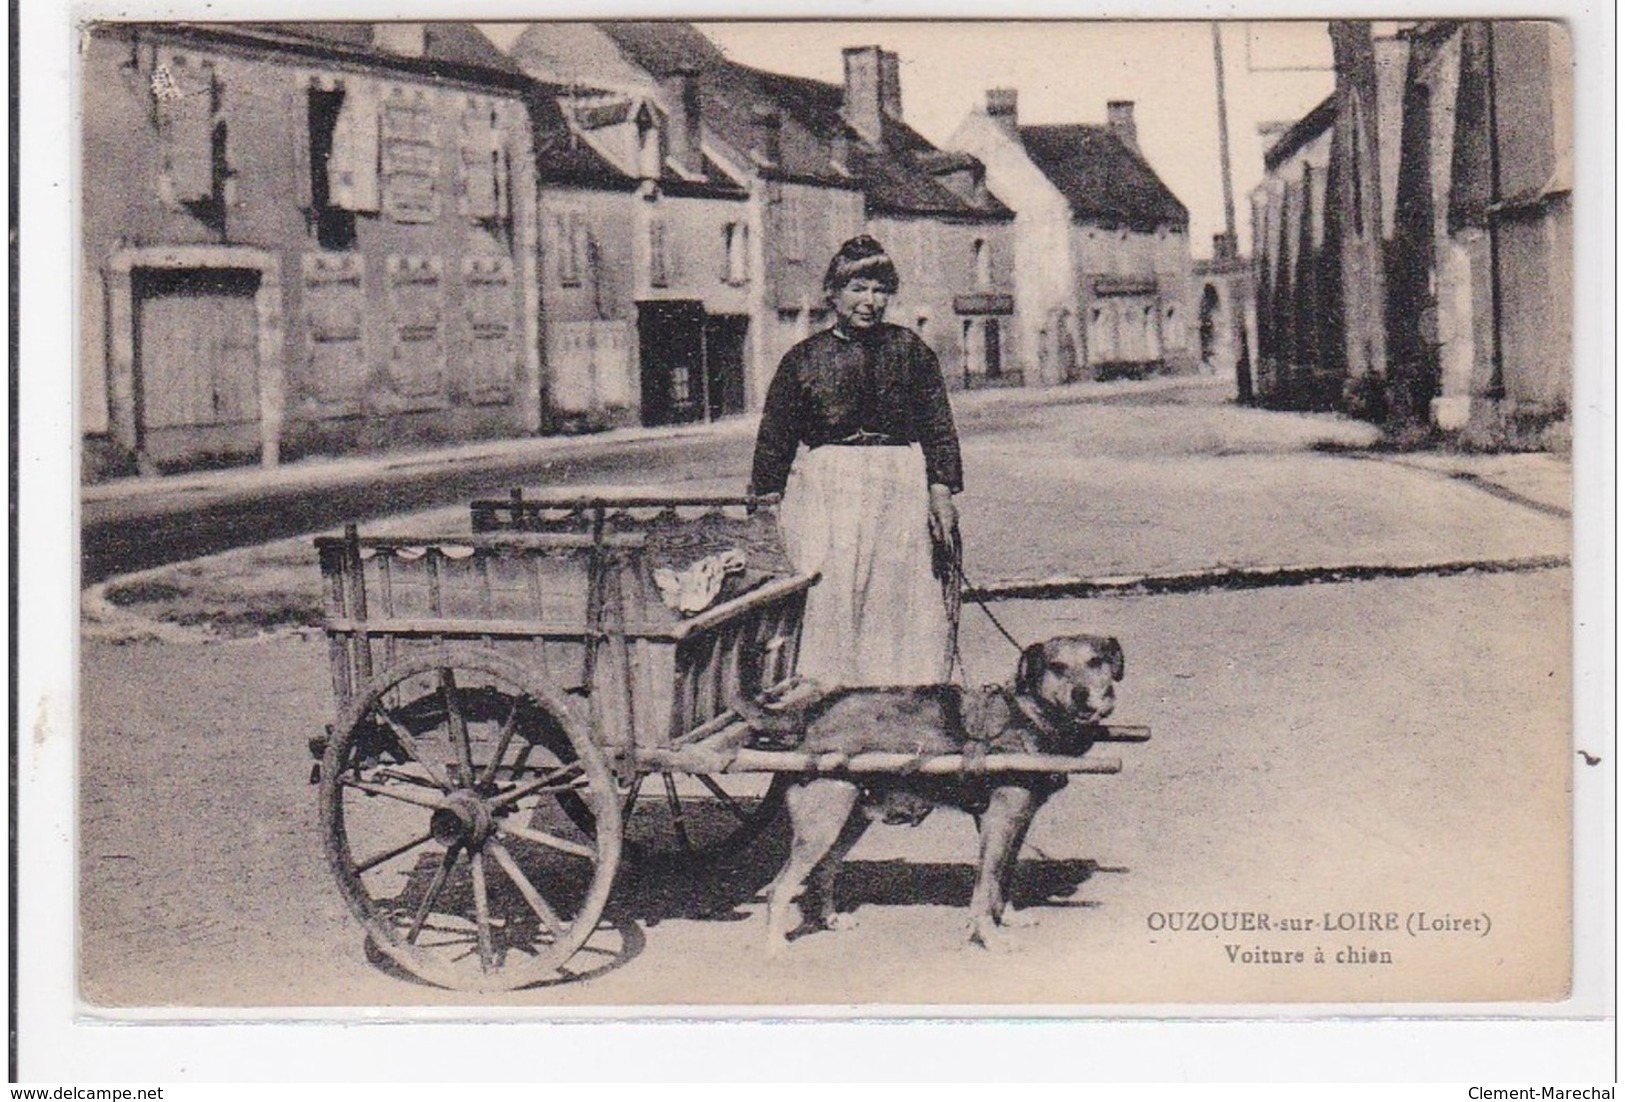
x=506 y=700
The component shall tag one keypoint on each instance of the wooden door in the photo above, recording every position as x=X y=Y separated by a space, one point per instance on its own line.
x=197 y=362
x=725 y=364
x=671 y=343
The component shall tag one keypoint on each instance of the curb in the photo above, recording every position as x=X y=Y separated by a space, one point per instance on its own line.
x=1245 y=577
x=104 y=621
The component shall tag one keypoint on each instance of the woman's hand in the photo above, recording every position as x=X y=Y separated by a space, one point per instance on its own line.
x=943 y=517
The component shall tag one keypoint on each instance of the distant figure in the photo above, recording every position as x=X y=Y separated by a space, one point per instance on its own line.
x=871 y=499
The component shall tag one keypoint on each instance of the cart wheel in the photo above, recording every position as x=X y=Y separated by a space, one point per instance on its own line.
x=447 y=808
x=694 y=816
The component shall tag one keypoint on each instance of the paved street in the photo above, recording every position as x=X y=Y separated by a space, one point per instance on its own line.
x=1397 y=744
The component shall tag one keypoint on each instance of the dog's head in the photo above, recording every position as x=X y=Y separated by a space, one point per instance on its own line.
x=1072 y=678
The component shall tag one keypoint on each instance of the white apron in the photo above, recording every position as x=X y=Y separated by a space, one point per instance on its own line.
x=858 y=517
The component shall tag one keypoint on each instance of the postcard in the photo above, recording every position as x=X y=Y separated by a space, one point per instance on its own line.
x=945 y=517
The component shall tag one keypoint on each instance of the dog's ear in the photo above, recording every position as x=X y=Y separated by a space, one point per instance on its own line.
x=1114 y=655
x=1030 y=670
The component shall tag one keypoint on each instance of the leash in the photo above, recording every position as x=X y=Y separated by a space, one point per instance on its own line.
x=954 y=582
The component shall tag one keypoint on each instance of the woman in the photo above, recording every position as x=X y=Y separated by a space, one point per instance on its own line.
x=873 y=494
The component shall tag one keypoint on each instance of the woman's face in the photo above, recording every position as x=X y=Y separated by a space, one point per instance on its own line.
x=861 y=303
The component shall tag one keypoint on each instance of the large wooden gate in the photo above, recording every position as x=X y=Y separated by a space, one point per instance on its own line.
x=196 y=363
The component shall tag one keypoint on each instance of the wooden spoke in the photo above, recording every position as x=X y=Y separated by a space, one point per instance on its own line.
x=547 y=782
x=520 y=761
x=509 y=726
x=509 y=767
x=422 y=914
x=550 y=918
x=482 y=911
x=457 y=725
x=387 y=773
x=374 y=862
x=409 y=743
x=542 y=838
x=405 y=795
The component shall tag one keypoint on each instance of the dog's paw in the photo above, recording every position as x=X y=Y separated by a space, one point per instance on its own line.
x=780 y=925
x=988 y=936
x=841 y=921
x=1018 y=920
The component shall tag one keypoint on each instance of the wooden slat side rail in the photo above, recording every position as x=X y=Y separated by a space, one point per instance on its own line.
x=505 y=540
x=574 y=632
x=757 y=598
x=487 y=515
x=702 y=759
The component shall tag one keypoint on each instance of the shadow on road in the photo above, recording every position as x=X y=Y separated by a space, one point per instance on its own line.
x=658 y=887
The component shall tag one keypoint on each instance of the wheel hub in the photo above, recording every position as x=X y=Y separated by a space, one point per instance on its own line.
x=463 y=820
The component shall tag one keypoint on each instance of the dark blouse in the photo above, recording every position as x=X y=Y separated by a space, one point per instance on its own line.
x=831 y=385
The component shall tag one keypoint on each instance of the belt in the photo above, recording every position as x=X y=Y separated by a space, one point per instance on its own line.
x=863 y=439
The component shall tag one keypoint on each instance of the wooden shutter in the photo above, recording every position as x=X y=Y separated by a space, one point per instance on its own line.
x=659 y=261
x=476 y=162
x=334 y=306
x=490 y=317
x=410 y=157
x=418 y=346
x=183 y=87
x=353 y=167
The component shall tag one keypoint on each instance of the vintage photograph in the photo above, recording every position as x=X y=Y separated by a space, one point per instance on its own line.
x=984 y=516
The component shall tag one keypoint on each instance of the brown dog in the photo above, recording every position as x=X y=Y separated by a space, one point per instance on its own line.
x=1062 y=691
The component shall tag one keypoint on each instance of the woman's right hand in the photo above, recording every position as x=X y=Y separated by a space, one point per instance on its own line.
x=942 y=517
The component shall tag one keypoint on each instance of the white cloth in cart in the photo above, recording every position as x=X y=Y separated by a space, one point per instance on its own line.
x=858 y=518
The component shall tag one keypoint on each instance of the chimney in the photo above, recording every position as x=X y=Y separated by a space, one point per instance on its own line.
x=682 y=95
x=862 y=99
x=1001 y=108
x=1120 y=120
x=891 y=86
x=765 y=122
x=404 y=39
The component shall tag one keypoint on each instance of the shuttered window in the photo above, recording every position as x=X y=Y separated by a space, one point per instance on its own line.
x=410 y=157
x=185 y=98
x=334 y=302
x=489 y=315
x=484 y=170
x=418 y=347
x=659 y=260
x=352 y=168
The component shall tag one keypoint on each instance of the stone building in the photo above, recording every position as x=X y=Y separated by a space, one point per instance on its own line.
x=1482 y=284
x=645 y=262
x=1300 y=360
x=1102 y=247
x=1226 y=338
x=1414 y=233
x=302 y=238
x=814 y=163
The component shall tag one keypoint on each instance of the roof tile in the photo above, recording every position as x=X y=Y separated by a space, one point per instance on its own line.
x=1102 y=179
